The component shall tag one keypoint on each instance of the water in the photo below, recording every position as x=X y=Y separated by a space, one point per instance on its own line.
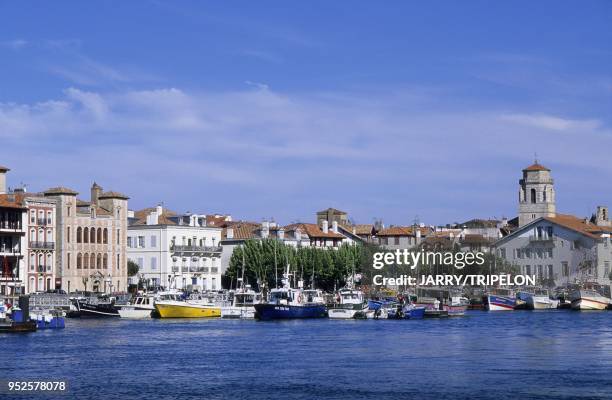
x=499 y=355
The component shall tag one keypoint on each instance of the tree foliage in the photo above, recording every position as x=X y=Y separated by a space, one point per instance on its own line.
x=132 y=268
x=265 y=261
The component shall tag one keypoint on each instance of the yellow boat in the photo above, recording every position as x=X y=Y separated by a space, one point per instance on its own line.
x=184 y=309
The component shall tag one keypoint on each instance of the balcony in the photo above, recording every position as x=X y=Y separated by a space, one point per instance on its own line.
x=214 y=270
x=43 y=221
x=197 y=269
x=41 y=269
x=42 y=245
x=195 y=249
x=541 y=239
x=176 y=269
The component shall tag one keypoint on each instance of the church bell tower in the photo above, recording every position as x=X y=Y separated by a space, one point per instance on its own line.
x=536 y=194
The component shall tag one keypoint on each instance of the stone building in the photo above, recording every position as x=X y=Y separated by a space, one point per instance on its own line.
x=536 y=194
x=91 y=239
x=557 y=248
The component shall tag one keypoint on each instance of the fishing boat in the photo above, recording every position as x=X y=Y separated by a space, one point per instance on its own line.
x=501 y=299
x=242 y=304
x=412 y=311
x=18 y=321
x=94 y=306
x=349 y=304
x=382 y=310
x=172 y=305
x=588 y=299
x=288 y=303
x=537 y=299
x=140 y=306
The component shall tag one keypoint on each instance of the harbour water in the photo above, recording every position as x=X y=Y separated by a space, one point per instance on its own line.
x=503 y=355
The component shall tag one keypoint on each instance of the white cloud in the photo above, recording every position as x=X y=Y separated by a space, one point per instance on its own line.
x=258 y=150
x=552 y=122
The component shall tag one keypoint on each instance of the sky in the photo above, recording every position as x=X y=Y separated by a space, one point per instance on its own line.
x=399 y=110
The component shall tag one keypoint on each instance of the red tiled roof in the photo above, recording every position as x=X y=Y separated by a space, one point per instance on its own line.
x=11 y=201
x=163 y=219
x=242 y=230
x=313 y=230
x=400 y=231
x=579 y=225
x=536 y=167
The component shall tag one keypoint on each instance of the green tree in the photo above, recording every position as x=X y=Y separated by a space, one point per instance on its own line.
x=132 y=268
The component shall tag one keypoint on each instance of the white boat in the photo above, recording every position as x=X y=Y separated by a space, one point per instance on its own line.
x=540 y=300
x=242 y=306
x=140 y=307
x=350 y=304
x=586 y=299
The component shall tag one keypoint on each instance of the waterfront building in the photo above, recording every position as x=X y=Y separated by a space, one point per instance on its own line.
x=176 y=250
x=556 y=248
x=12 y=240
x=401 y=237
x=90 y=240
x=40 y=237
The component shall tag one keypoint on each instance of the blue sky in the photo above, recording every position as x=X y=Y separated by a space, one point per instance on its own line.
x=392 y=110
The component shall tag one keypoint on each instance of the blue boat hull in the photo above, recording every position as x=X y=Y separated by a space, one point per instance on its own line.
x=268 y=312
x=415 y=313
x=501 y=303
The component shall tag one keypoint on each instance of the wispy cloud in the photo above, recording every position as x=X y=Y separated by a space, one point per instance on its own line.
x=291 y=154
x=14 y=44
x=552 y=122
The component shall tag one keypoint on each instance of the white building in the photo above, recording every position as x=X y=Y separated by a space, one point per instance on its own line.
x=173 y=250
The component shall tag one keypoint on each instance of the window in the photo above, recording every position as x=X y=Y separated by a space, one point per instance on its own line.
x=86 y=235
x=99 y=234
x=49 y=219
x=141 y=242
x=129 y=242
x=533 y=196
x=550 y=272
x=540 y=272
x=92 y=235
x=49 y=235
x=68 y=235
x=105 y=261
x=79 y=261
x=397 y=240
x=606 y=269
x=105 y=236
x=79 y=234
x=153 y=263
x=565 y=268
x=92 y=261
x=32 y=235
x=118 y=242
x=528 y=269
x=140 y=262
x=118 y=262
x=68 y=260
x=32 y=262
x=153 y=241
x=86 y=261
x=99 y=261
x=32 y=217
x=549 y=230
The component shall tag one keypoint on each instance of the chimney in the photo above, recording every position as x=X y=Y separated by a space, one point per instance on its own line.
x=602 y=217
x=159 y=209
x=325 y=227
x=153 y=218
x=96 y=191
x=335 y=226
x=3 y=171
x=229 y=233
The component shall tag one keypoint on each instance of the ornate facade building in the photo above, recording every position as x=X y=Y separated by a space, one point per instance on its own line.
x=91 y=239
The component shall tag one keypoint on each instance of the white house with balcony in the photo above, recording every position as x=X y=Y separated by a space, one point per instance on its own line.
x=174 y=250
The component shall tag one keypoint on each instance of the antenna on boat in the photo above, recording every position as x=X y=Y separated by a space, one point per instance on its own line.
x=275 y=268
